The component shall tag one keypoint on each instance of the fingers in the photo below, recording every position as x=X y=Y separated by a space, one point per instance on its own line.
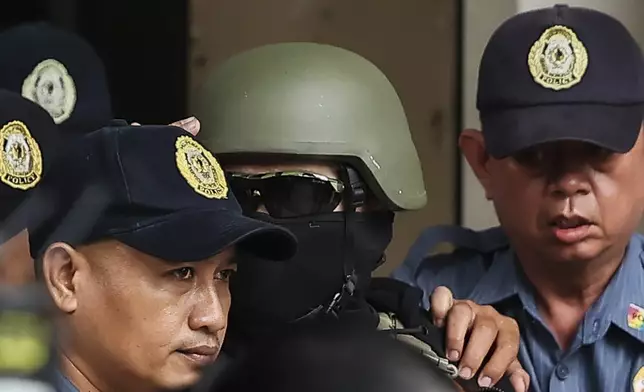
x=499 y=333
x=519 y=378
x=441 y=302
x=190 y=124
x=181 y=123
x=459 y=320
x=482 y=337
x=506 y=347
x=489 y=332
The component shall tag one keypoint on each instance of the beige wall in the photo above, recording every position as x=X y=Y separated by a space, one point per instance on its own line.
x=481 y=18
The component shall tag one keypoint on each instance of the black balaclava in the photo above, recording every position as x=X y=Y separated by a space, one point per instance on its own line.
x=337 y=253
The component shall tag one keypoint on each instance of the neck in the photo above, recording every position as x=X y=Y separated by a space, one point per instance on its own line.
x=565 y=291
x=85 y=380
x=76 y=376
x=578 y=283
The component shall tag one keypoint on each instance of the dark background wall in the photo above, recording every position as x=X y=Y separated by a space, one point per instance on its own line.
x=143 y=43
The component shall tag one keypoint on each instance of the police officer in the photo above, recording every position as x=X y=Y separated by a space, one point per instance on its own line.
x=136 y=249
x=28 y=142
x=63 y=74
x=58 y=70
x=315 y=139
x=560 y=96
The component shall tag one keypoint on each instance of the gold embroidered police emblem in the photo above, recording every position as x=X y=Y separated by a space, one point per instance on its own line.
x=200 y=169
x=21 y=163
x=50 y=86
x=638 y=381
x=558 y=59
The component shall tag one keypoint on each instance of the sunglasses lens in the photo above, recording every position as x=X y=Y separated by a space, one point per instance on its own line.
x=287 y=196
x=247 y=196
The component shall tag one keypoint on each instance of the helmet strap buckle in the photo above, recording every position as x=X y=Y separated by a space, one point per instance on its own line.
x=347 y=291
x=358 y=194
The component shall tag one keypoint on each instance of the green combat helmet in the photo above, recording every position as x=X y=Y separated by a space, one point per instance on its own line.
x=314 y=100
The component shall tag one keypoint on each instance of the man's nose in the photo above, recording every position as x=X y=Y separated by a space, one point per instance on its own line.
x=569 y=183
x=569 y=168
x=210 y=312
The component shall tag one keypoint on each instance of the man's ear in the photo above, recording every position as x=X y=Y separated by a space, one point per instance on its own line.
x=472 y=145
x=60 y=266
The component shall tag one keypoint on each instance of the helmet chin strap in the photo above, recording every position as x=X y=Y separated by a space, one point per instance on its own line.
x=354 y=197
x=383 y=259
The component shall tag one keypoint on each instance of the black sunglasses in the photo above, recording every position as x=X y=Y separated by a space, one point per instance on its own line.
x=286 y=194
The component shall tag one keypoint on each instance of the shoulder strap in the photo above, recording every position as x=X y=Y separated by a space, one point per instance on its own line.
x=484 y=241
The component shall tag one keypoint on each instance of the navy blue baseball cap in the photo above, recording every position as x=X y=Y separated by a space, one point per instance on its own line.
x=58 y=70
x=29 y=140
x=560 y=73
x=154 y=188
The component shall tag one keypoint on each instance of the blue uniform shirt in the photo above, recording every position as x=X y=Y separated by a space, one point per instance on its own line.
x=607 y=353
x=63 y=384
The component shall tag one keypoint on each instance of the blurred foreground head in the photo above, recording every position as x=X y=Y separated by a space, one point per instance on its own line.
x=29 y=140
x=331 y=358
x=59 y=71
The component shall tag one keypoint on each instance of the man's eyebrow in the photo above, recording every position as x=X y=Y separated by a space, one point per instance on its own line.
x=234 y=259
x=240 y=255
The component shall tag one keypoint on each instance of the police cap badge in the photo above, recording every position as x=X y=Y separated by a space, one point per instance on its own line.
x=21 y=163
x=558 y=59
x=50 y=86
x=200 y=169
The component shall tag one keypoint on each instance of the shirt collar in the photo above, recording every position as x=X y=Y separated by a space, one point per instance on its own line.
x=621 y=304
x=500 y=282
x=623 y=300
x=63 y=384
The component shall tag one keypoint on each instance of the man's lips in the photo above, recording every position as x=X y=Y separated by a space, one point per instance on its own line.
x=571 y=229
x=200 y=355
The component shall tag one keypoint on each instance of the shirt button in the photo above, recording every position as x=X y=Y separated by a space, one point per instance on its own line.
x=562 y=372
x=596 y=327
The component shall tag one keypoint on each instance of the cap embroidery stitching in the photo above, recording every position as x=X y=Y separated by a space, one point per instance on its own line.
x=21 y=163
x=558 y=59
x=200 y=169
x=50 y=86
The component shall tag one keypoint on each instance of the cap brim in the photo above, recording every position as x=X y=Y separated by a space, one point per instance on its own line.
x=509 y=131
x=198 y=235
